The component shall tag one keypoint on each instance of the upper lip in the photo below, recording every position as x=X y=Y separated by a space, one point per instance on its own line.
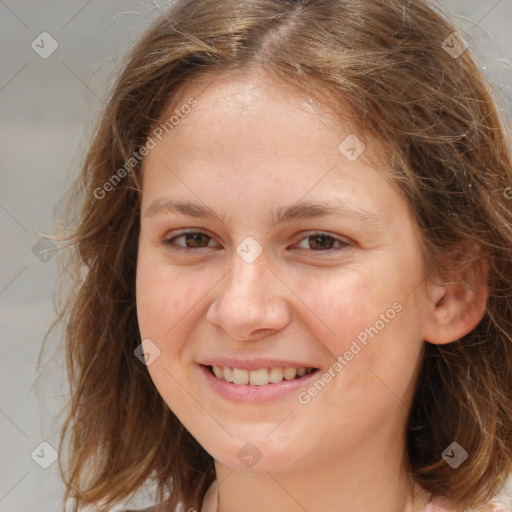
x=254 y=364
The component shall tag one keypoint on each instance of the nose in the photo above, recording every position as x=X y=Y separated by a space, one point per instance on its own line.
x=250 y=303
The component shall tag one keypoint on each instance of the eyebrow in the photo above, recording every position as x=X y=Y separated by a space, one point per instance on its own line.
x=300 y=210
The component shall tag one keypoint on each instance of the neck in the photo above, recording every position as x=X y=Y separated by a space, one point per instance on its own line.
x=360 y=480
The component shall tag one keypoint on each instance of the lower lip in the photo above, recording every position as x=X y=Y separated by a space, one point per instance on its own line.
x=254 y=394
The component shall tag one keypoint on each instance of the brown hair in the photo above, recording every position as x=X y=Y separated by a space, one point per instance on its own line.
x=386 y=63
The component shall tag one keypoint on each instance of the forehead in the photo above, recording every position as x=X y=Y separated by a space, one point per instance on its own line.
x=249 y=115
x=249 y=111
x=248 y=133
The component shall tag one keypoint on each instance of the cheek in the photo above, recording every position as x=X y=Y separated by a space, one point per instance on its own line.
x=167 y=296
x=168 y=302
x=370 y=318
x=341 y=304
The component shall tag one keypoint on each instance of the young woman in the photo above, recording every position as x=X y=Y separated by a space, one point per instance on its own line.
x=293 y=242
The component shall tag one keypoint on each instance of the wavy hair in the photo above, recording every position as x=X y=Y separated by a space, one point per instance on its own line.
x=385 y=64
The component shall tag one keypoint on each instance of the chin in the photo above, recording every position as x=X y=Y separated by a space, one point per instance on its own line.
x=256 y=453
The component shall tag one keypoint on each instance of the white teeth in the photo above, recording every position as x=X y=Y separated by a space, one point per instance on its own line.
x=240 y=376
x=260 y=377
x=275 y=375
x=218 y=371
x=228 y=374
x=289 y=373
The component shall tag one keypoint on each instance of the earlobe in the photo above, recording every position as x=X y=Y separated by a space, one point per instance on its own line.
x=457 y=308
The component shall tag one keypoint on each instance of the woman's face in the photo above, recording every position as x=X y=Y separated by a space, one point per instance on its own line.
x=266 y=242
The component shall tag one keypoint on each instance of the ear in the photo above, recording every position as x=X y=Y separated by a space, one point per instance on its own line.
x=457 y=307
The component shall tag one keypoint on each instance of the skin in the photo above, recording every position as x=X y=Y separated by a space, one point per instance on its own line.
x=250 y=146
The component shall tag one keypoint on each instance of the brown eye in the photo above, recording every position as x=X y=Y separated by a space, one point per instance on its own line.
x=191 y=240
x=194 y=240
x=322 y=242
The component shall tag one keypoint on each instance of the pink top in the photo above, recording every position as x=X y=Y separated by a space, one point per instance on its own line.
x=436 y=505
x=211 y=498
x=492 y=506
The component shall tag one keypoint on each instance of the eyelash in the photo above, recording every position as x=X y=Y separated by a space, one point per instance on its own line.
x=168 y=242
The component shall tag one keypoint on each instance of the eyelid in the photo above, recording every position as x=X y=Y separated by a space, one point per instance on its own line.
x=167 y=241
x=344 y=242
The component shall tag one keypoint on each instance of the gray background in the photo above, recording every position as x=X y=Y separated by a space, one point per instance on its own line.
x=47 y=108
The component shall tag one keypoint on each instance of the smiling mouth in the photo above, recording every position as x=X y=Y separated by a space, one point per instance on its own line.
x=260 y=377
